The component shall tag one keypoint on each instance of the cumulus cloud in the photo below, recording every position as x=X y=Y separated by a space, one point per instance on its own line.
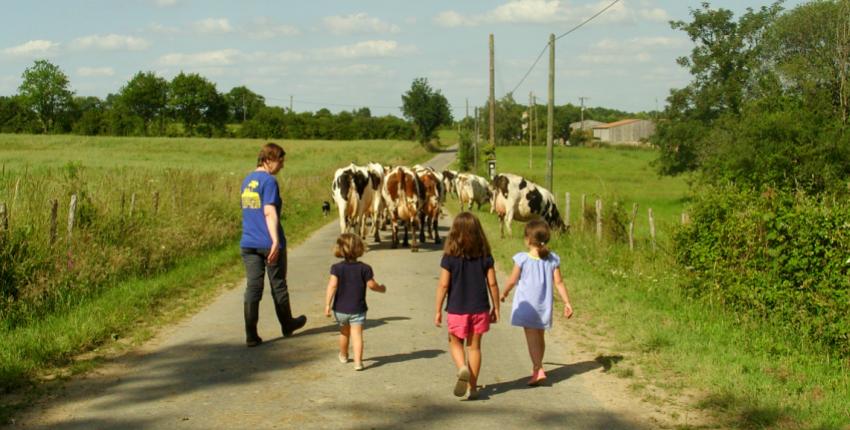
x=551 y=12
x=367 y=49
x=31 y=49
x=89 y=72
x=615 y=59
x=353 y=70
x=641 y=43
x=224 y=57
x=162 y=29
x=164 y=3
x=210 y=27
x=267 y=28
x=112 y=42
x=360 y=23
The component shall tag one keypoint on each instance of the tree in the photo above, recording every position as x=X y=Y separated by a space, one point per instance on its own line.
x=194 y=99
x=242 y=96
x=146 y=96
x=426 y=108
x=45 y=89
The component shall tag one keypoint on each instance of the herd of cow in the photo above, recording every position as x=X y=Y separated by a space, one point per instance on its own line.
x=415 y=195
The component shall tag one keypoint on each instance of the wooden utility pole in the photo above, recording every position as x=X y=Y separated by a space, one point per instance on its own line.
x=467 y=109
x=476 y=142
x=244 y=112
x=290 y=102
x=550 y=151
x=530 y=130
x=492 y=93
x=582 y=113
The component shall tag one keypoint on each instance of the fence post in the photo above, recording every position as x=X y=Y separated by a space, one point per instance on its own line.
x=632 y=228
x=583 y=209
x=155 y=201
x=4 y=221
x=71 y=213
x=122 y=202
x=652 y=229
x=54 y=209
x=132 y=204
x=599 y=220
x=567 y=211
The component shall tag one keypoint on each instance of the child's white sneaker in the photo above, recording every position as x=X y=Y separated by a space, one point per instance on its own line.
x=462 y=381
x=359 y=366
x=342 y=358
x=473 y=393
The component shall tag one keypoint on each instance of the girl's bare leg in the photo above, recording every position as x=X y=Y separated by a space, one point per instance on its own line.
x=456 y=348
x=344 y=334
x=357 y=342
x=473 y=349
x=536 y=346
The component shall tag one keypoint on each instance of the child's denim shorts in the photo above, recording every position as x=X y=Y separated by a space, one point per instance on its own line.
x=353 y=319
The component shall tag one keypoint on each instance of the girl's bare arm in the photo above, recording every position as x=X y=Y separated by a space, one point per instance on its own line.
x=442 y=290
x=512 y=281
x=562 y=290
x=494 y=292
x=374 y=286
x=329 y=296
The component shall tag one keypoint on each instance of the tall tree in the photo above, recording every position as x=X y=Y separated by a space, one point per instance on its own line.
x=195 y=99
x=243 y=104
x=45 y=90
x=426 y=108
x=146 y=96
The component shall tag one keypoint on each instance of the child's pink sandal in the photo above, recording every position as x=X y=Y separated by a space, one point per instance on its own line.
x=537 y=376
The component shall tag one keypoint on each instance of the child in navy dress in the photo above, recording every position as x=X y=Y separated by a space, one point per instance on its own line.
x=469 y=279
x=346 y=295
x=536 y=271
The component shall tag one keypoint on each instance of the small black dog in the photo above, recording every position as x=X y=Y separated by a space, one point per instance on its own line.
x=326 y=208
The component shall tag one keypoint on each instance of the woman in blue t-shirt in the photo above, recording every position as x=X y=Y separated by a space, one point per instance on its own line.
x=263 y=245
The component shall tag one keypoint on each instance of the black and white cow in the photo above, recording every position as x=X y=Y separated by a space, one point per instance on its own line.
x=450 y=181
x=514 y=197
x=353 y=195
x=472 y=189
x=378 y=209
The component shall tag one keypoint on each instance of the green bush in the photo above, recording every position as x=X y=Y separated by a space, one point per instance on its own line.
x=779 y=257
x=466 y=153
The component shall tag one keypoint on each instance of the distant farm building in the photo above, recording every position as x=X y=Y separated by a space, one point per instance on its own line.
x=626 y=132
x=589 y=124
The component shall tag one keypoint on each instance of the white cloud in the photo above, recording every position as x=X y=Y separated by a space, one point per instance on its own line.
x=367 y=49
x=224 y=57
x=210 y=27
x=360 y=23
x=266 y=28
x=616 y=59
x=164 y=3
x=161 y=29
x=353 y=70
x=550 y=12
x=641 y=43
x=112 y=42
x=31 y=49
x=89 y=72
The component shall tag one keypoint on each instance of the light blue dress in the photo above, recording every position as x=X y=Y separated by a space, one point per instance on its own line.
x=532 y=307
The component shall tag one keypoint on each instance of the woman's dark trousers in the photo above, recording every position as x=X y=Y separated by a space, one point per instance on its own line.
x=256 y=268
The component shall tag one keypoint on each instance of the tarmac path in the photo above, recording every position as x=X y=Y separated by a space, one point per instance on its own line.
x=201 y=376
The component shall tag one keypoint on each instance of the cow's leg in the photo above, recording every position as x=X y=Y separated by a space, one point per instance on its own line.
x=343 y=220
x=395 y=232
x=414 y=247
x=422 y=218
x=509 y=216
x=502 y=225
x=436 y=232
x=375 y=228
x=406 y=224
x=363 y=232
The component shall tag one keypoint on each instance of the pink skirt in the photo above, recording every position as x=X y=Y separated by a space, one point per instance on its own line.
x=461 y=325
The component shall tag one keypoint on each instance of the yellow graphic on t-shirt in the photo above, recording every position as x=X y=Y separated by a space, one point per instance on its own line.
x=250 y=199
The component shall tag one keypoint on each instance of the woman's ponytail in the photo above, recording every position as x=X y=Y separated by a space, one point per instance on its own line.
x=538 y=234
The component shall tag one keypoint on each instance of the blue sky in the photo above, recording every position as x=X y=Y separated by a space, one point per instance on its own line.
x=360 y=53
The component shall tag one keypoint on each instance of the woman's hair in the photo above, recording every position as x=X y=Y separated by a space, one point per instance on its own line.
x=466 y=238
x=537 y=232
x=349 y=246
x=270 y=152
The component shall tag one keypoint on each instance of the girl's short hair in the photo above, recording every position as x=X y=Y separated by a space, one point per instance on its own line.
x=349 y=246
x=466 y=238
x=270 y=152
x=537 y=232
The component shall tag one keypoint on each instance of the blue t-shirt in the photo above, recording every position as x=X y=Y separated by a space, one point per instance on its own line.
x=259 y=189
x=351 y=278
x=468 y=289
x=532 y=307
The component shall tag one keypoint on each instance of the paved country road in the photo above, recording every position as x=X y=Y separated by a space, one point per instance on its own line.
x=201 y=376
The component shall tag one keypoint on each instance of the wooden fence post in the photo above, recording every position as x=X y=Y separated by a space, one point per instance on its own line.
x=155 y=201
x=567 y=211
x=599 y=220
x=652 y=229
x=583 y=208
x=54 y=209
x=632 y=228
x=122 y=202
x=132 y=204
x=71 y=213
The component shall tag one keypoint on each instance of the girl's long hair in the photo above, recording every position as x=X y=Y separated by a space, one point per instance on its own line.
x=467 y=238
x=537 y=232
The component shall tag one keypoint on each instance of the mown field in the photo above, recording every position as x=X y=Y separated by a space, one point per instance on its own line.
x=629 y=305
x=120 y=274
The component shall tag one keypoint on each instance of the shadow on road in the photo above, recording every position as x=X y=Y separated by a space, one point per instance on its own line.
x=334 y=327
x=399 y=358
x=553 y=376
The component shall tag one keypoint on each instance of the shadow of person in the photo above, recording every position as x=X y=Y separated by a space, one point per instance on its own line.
x=553 y=376
x=334 y=327
x=376 y=362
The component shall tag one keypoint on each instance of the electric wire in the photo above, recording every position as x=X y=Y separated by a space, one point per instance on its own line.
x=296 y=101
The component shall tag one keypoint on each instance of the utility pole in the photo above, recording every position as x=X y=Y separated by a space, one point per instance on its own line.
x=492 y=94
x=290 y=103
x=530 y=129
x=656 y=110
x=476 y=141
x=244 y=112
x=550 y=151
x=582 y=113
x=467 y=109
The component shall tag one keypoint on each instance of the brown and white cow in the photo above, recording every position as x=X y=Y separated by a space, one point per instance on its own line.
x=432 y=195
x=401 y=192
x=472 y=189
x=378 y=209
x=353 y=195
x=514 y=197
x=450 y=181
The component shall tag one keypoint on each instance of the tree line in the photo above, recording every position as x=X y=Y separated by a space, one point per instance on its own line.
x=188 y=105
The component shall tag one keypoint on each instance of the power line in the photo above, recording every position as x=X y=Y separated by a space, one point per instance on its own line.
x=547 y=45
x=344 y=105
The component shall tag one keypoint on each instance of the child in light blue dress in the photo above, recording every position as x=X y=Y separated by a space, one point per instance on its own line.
x=535 y=273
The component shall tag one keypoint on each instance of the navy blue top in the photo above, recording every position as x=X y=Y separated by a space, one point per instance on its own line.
x=350 y=295
x=468 y=289
x=259 y=189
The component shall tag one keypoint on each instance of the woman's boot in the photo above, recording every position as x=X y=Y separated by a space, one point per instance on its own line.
x=288 y=324
x=252 y=315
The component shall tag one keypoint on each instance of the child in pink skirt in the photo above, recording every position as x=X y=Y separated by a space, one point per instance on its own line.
x=469 y=280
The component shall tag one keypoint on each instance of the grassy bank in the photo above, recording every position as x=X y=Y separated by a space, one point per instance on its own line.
x=669 y=342
x=123 y=271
